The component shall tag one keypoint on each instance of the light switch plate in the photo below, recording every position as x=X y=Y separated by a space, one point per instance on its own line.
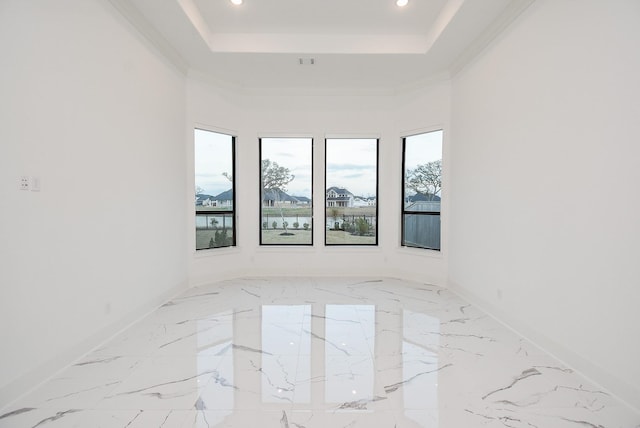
x=35 y=184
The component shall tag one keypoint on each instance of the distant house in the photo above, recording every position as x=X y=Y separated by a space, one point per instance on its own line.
x=339 y=197
x=419 y=197
x=301 y=200
x=203 y=200
x=271 y=197
x=224 y=199
x=360 y=202
x=422 y=202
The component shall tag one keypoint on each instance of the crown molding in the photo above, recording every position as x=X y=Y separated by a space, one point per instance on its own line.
x=150 y=34
x=497 y=27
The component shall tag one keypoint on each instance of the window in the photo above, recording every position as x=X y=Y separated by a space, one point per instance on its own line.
x=351 y=205
x=286 y=213
x=214 y=189
x=422 y=178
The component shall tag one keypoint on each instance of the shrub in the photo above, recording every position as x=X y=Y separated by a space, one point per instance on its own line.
x=222 y=240
x=274 y=224
x=296 y=225
x=362 y=226
x=265 y=225
x=306 y=226
x=284 y=224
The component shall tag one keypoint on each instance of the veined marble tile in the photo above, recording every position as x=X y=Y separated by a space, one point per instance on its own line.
x=317 y=353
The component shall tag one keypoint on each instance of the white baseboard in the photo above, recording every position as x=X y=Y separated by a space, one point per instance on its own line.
x=415 y=276
x=23 y=385
x=620 y=389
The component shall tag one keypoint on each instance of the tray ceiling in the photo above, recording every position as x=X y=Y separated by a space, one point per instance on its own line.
x=353 y=43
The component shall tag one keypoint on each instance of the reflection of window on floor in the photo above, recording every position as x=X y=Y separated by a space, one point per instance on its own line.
x=286 y=357
x=348 y=350
x=215 y=358
x=420 y=343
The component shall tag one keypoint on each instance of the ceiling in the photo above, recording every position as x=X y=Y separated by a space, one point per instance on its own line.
x=356 y=44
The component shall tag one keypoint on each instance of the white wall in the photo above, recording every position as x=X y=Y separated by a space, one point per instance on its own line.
x=251 y=114
x=545 y=207
x=542 y=169
x=86 y=106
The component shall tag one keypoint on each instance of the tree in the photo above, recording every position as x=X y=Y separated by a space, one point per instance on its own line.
x=425 y=178
x=335 y=213
x=274 y=182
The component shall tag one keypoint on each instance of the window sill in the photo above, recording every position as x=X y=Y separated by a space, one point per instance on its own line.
x=421 y=252
x=211 y=252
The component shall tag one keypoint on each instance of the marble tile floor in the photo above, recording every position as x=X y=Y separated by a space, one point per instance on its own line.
x=318 y=352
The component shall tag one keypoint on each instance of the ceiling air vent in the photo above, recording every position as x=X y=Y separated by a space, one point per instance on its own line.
x=306 y=61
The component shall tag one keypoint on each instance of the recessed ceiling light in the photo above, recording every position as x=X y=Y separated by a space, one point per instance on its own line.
x=402 y=3
x=237 y=2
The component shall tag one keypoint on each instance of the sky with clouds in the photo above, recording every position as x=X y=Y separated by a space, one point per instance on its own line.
x=423 y=148
x=213 y=157
x=350 y=163
x=295 y=154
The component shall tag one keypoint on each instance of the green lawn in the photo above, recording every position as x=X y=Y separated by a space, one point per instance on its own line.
x=299 y=237
x=273 y=236
x=287 y=211
x=340 y=237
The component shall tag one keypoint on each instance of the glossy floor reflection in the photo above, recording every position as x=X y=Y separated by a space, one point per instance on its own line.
x=311 y=353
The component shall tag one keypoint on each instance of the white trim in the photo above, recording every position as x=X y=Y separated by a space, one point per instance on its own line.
x=17 y=389
x=423 y=130
x=210 y=252
x=142 y=26
x=497 y=27
x=352 y=136
x=420 y=252
x=285 y=135
x=216 y=129
x=625 y=392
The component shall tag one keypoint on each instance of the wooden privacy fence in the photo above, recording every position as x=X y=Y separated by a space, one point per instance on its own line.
x=422 y=231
